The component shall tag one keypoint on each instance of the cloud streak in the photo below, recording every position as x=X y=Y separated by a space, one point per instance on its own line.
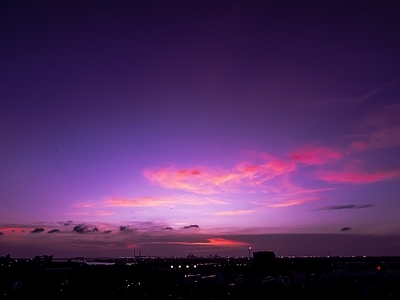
x=86 y=204
x=292 y=202
x=341 y=207
x=311 y=155
x=232 y=212
x=371 y=93
x=358 y=177
x=204 y=180
x=378 y=130
x=213 y=242
x=160 y=201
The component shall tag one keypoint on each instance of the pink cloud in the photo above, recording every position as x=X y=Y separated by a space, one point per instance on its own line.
x=233 y=212
x=358 y=177
x=104 y=213
x=253 y=174
x=158 y=201
x=292 y=202
x=359 y=145
x=204 y=180
x=86 y=204
x=284 y=189
x=194 y=180
x=80 y=213
x=92 y=213
x=15 y=229
x=379 y=130
x=210 y=242
x=311 y=155
x=386 y=137
x=132 y=246
x=284 y=193
x=225 y=242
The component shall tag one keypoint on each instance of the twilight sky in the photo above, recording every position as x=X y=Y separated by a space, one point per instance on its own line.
x=173 y=127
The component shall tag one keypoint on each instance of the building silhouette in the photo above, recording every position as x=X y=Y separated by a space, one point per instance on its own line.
x=264 y=262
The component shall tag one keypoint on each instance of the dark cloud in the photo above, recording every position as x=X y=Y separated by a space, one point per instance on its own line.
x=191 y=226
x=53 y=231
x=168 y=228
x=124 y=228
x=1 y=233
x=350 y=206
x=107 y=231
x=67 y=223
x=345 y=228
x=84 y=229
x=37 y=230
x=80 y=229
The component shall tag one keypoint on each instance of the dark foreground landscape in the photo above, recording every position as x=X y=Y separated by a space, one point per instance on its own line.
x=263 y=276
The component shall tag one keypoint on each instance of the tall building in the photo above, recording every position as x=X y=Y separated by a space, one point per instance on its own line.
x=265 y=262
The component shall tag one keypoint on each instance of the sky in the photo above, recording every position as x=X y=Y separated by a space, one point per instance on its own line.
x=203 y=127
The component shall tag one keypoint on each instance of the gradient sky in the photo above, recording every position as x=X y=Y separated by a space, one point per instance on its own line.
x=173 y=127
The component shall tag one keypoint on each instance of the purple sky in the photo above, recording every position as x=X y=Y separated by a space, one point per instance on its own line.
x=173 y=127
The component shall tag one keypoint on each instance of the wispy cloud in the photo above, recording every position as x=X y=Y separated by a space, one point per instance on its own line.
x=373 y=92
x=92 y=212
x=204 y=180
x=357 y=176
x=104 y=213
x=311 y=155
x=161 y=201
x=232 y=212
x=80 y=213
x=215 y=242
x=194 y=180
x=292 y=202
x=15 y=228
x=86 y=204
x=340 y=207
x=380 y=129
x=284 y=193
x=143 y=201
x=346 y=228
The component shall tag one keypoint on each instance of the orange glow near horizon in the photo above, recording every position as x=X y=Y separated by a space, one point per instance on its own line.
x=215 y=242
